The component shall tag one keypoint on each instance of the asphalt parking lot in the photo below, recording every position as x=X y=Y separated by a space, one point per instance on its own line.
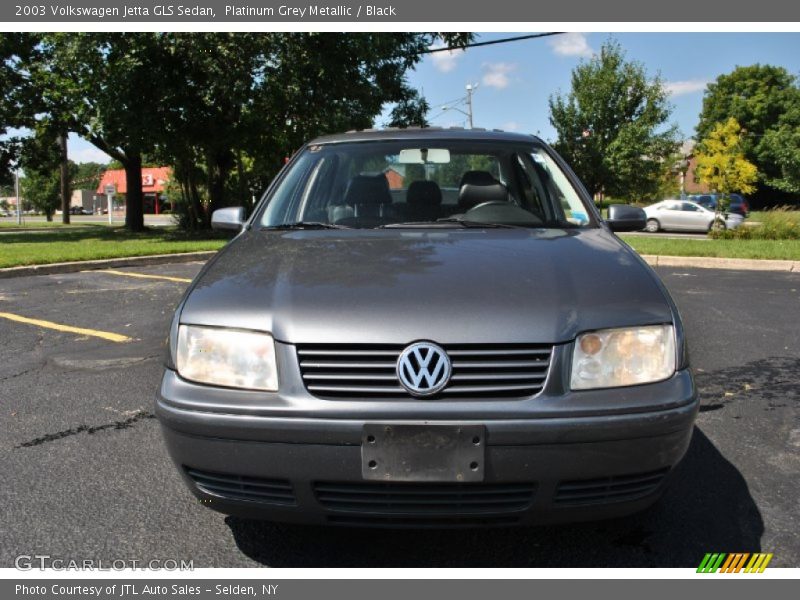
x=85 y=473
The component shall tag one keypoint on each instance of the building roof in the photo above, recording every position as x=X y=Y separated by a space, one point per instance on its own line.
x=154 y=180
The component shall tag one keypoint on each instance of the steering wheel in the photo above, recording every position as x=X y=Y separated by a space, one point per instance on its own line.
x=490 y=203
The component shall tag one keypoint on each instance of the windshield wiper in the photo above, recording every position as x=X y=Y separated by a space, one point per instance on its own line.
x=481 y=224
x=450 y=221
x=307 y=225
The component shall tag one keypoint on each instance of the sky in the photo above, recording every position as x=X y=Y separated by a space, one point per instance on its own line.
x=515 y=79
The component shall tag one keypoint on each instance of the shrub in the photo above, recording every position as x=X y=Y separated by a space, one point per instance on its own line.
x=781 y=223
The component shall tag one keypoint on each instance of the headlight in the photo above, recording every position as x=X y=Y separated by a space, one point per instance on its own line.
x=228 y=357
x=619 y=357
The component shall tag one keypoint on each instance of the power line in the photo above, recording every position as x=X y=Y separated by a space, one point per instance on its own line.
x=517 y=38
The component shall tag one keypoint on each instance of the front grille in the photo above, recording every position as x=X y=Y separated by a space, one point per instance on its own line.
x=241 y=487
x=369 y=371
x=421 y=522
x=620 y=488
x=424 y=498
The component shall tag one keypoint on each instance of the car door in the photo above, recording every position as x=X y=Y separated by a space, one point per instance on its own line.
x=669 y=215
x=694 y=218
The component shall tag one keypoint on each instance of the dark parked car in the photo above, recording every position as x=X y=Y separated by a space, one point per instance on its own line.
x=736 y=203
x=427 y=327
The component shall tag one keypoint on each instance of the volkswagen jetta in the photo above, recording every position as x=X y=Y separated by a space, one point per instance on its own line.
x=427 y=327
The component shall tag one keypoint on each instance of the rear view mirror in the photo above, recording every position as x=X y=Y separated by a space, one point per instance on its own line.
x=228 y=218
x=420 y=156
x=622 y=217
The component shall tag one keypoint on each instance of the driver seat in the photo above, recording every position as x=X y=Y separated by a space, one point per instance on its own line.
x=478 y=187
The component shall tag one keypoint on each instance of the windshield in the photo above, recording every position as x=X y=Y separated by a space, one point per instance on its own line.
x=406 y=184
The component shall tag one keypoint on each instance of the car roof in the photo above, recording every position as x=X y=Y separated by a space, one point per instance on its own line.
x=425 y=133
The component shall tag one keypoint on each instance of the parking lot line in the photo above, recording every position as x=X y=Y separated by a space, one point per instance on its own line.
x=106 y=335
x=142 y=275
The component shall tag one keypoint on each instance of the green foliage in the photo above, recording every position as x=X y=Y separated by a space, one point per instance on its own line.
x=612 y=125
x=782 y=146
x=765 y=100
x=721 y=162
x=87 y=175
x=222 y=109
x=41 y=190
x=778 y=224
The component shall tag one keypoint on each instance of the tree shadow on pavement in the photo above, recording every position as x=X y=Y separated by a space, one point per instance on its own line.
x=707 y=507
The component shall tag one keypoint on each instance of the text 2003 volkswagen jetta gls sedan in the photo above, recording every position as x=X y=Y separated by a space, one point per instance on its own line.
x=427 y=327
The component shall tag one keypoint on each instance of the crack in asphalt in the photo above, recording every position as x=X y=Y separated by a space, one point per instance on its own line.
x=116 y=426
x=773 y=379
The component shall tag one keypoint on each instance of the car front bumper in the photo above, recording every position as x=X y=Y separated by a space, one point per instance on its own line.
x=306 y=465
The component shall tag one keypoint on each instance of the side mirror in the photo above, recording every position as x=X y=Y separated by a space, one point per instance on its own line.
x=228 y=218
x=622 y=217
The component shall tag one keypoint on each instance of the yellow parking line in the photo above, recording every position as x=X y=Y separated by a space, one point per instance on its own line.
x=106 y=335
x=142 y=275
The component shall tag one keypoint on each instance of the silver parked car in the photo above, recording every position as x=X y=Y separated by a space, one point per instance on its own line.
x=427 y=327
x=685 y=215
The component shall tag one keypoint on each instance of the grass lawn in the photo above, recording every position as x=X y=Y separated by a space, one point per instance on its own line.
x=758 y=215
x=62 y=245
x=29 y=224
x=771 y=249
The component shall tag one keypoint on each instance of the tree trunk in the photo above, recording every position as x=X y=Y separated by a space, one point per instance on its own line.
x=64 y=175
x=134 y=200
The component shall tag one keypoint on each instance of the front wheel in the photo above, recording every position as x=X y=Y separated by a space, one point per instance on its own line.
x=718 y=225
x=652 y=226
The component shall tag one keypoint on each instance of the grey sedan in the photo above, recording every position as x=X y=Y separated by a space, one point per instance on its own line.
x=685 y=215
x=427 y=328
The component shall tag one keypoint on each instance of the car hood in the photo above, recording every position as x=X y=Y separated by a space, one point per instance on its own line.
x=446 y=285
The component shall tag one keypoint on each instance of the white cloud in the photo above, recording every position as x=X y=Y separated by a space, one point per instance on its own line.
x=446 y=60
x=88 y=154
x=510 y=126
x=571 y=44
x=496 y=74
x=690 y=86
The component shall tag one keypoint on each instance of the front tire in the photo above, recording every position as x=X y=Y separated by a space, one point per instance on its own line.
x=718 y=225
x=652 y=226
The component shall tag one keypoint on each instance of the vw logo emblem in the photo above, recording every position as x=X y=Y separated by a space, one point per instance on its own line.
x=423 y=368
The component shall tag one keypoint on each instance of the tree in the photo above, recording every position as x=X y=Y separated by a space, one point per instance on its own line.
x=236 y=105
x=612 y=125
x=782 y=146
x=87 y=175
x=41 y=159
x=759 y=97
x=721 y=162
x=104 y=87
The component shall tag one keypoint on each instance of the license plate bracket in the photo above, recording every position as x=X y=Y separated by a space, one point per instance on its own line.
x=434 y=453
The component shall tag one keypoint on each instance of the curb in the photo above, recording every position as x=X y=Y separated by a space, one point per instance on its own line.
x=107 y=263
x=701 y=262
x=710 y=262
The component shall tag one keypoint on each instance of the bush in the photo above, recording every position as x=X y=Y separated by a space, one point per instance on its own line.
x=778 y=224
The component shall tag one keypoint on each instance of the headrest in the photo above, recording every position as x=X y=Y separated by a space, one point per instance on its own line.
x=472 y=195
x=477 y=178
x=424 y=193
x=368 y=189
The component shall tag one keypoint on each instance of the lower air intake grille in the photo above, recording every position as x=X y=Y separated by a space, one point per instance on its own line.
x=241 y=487
x=609 y=489
x=424 y=498
x=478 y=370
x=421 y=522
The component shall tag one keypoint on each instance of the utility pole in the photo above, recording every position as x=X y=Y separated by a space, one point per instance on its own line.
x=471 y=87
x=19 y=200
x=64 y=172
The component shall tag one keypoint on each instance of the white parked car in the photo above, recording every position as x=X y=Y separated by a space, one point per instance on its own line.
x=685 y=215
